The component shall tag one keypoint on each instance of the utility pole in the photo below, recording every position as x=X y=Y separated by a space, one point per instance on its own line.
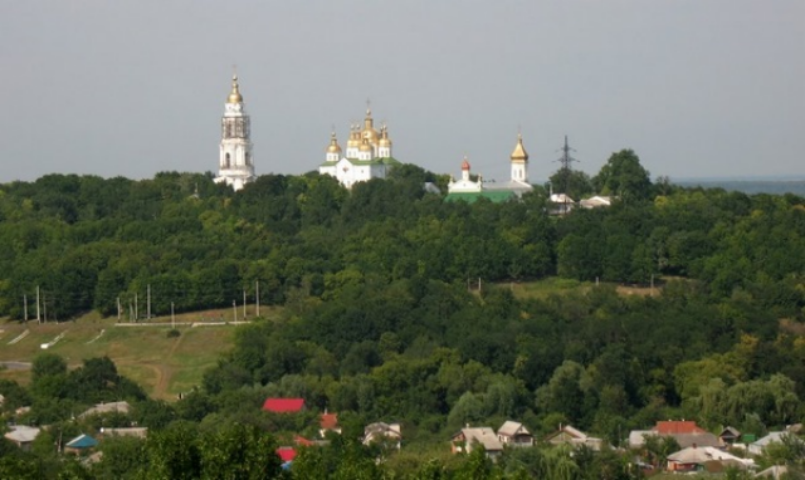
x=38 y=317
x=148 y=301
x=25 y=306
x=244 y=304
x=119 y=310
x=257 y=295
x=45 y=307
x=173 y=318
x=235 y=309
x=136 y=307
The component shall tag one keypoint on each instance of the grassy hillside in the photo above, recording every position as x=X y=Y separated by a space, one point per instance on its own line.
x=163 y=366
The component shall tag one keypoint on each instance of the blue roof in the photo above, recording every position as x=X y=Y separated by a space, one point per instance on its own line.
x=82 y=441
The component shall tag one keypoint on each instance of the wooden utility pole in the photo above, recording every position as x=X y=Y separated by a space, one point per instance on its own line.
x=38 y=317
x=235 y=310
x=25 y=306
x=148 y=301
x=136 y=307
x=244 y=304
x=257 y=295
x=119 y=310
x=173 y=318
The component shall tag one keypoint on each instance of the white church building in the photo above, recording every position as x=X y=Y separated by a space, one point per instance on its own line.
x=468 y=189
x=367 y=156
x=235 y=162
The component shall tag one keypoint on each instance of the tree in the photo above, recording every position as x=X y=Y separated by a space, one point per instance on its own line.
x=573 y=183
x=624 y=177
x=239 y=452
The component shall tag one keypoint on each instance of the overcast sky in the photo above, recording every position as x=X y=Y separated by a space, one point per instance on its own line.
x=698 y=88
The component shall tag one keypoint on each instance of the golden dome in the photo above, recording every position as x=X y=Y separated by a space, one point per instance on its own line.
x=384 y=137
x=465 y=165
x=519 y=152
x=334 y=147
x=354 y=139
x=234 y=95
x=366 y=146
x=369 y=131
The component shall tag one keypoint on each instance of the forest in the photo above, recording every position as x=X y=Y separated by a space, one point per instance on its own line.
x=399 y=307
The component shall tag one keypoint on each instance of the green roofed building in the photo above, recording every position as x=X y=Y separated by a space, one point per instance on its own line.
x=368 y=154
x=469 y=190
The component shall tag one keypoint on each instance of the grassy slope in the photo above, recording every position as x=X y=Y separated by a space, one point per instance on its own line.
x=163 y=366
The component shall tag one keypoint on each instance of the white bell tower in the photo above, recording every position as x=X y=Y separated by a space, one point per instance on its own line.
x=235 y=163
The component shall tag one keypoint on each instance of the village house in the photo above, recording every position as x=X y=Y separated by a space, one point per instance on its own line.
x=574 y=437
x=380 y=431
x=479 y=437
x=686 y=434
x=284 y=405
x=696 y=458
x=22 y=436
x=109 y=407
x=515 y=434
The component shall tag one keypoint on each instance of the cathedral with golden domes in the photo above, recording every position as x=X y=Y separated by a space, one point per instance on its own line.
x=468 y=189
x=367 y=156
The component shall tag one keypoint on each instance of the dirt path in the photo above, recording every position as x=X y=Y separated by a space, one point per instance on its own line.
x=165 y=372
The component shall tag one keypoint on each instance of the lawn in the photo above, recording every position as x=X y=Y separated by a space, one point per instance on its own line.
x=164 y=366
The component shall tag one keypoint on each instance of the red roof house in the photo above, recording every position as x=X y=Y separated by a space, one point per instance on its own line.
x=287 y=454
x=673 y=427
x=284 y=405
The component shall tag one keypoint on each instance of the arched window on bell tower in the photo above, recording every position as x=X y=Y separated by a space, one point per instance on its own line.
x=227 y=160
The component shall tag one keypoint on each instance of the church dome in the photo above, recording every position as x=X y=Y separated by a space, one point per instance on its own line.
x=234 y=95
x=519 y=152
x=334 y=147
x=366 y=146
x=369 y=131
x=354 y=137
x=465 y=165
x=385 y=141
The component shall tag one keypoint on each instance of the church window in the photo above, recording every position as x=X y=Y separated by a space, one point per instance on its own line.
x=227 y=160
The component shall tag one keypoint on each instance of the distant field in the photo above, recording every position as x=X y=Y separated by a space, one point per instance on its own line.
x=163 y=366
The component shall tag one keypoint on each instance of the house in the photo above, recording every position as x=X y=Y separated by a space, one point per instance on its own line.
x=286 y=454
x=569 y=435
x=23 y=435
x=328 y=422
x=80 y=444
x=698 y=458
x=729 y=436
x=380 y=431
x=515 y=434
x=562 y=204
x=686 y=434
x=468 y=438
x=757 y=448
x=139 y=432
x=111 y=407
x=596 y=201
x=284 y=405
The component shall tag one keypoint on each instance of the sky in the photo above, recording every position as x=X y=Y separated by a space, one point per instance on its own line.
x=697 y=88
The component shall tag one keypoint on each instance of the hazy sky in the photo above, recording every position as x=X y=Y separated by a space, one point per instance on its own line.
x=696 y=87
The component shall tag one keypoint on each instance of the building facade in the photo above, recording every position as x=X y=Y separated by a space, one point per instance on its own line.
x=235 y=161
x=368 y=154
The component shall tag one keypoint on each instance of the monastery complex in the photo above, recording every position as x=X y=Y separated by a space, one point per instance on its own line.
x=368 y=155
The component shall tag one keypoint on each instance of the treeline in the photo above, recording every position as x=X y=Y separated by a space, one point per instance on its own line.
x=83 y=243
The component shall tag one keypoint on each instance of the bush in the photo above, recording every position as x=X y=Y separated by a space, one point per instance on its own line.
x=173 y=333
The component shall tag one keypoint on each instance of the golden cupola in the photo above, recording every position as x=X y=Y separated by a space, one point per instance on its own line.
x=385 y=141
x=365 y=145
x=369 y=131
x=519 y=153
x=354 y=137
x=334 y=147
x=234 y=95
